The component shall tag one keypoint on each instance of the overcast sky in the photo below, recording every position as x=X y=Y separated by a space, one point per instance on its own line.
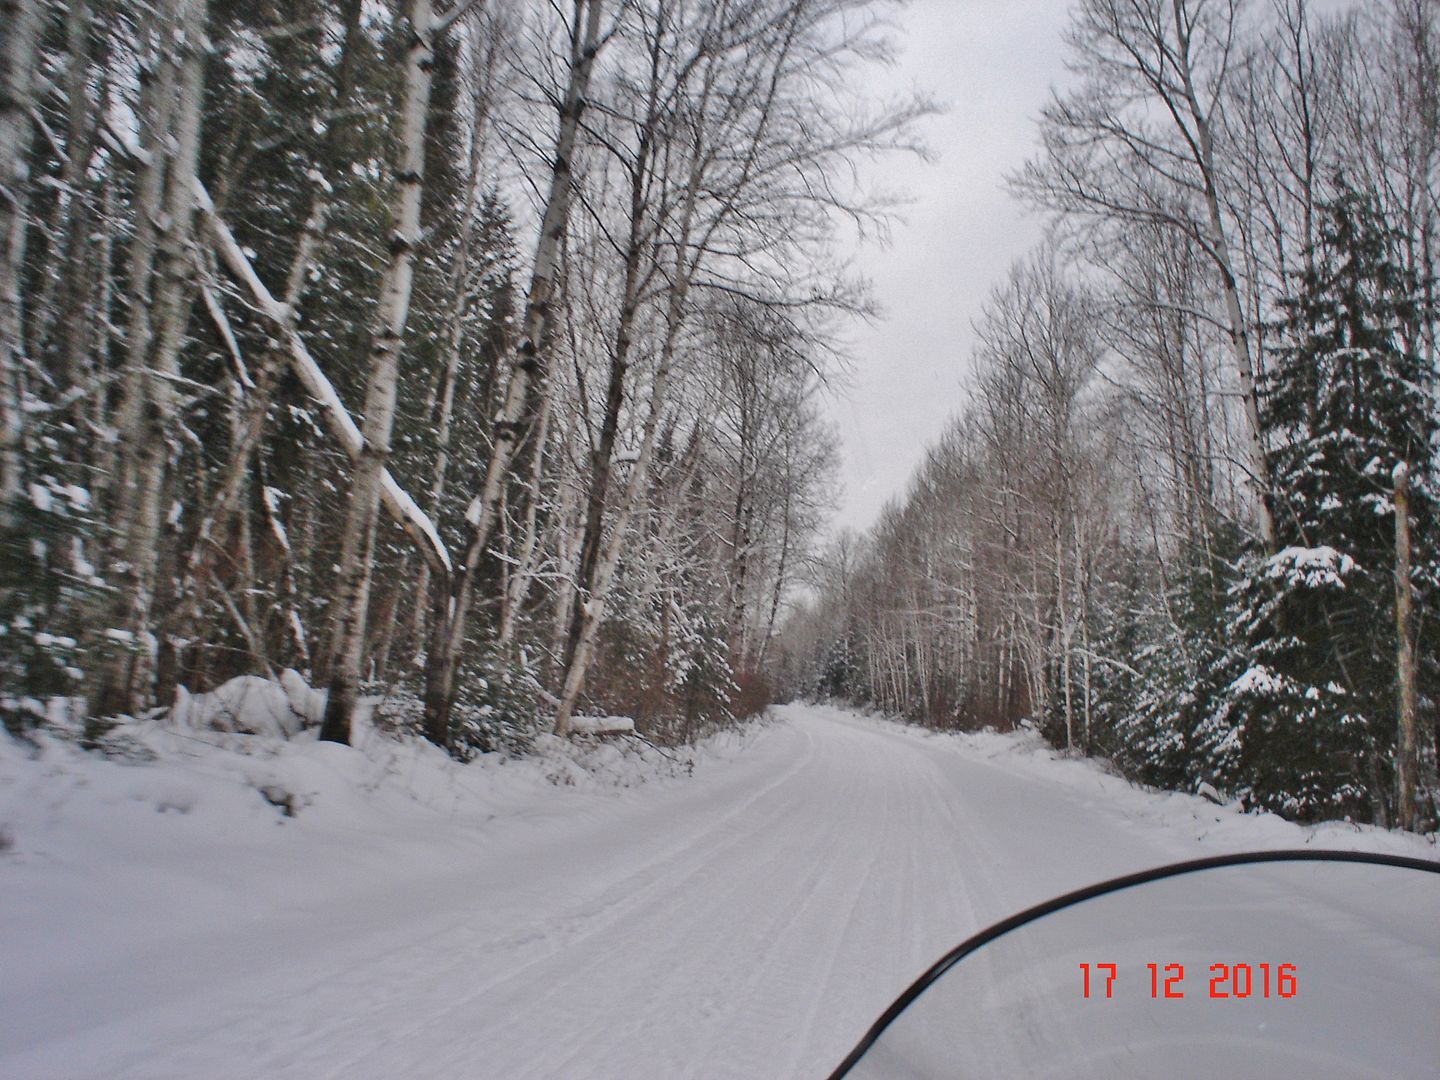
x=992 y=62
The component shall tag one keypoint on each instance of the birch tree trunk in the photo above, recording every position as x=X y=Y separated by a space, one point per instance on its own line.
x=1062 y=635
x=62 y=311
x=602 y=456
x=780 y=579
x=1407 y=753
x=1238 y=333
x=593 y=608
x=362 y=516
x=21 y=19
x=1203 y=148
x=739 y=570
x=1138 y=145
x=522 y=573
x=567 y=558
x=527 y=378
x=441 y=406
x=148 y=432
x=157 y=103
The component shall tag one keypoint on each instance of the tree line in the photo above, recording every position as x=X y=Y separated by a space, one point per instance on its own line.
x=1186 y=519
x=468 y=353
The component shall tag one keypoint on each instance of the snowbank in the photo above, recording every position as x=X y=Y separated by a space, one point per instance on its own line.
x=233 y=764
x=193 y=838
x=250 y=705
x=217 y=808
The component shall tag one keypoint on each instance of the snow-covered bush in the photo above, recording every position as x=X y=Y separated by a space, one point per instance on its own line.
x=251 y=705
x=498 y=708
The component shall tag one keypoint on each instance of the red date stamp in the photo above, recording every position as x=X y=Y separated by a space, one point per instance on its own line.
x=1239 y=981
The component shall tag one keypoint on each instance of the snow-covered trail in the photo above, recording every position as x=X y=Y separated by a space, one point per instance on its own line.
x=748 y=923
x=756 y=928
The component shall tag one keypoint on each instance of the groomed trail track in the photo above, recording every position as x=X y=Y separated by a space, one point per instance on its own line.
x=747 y=923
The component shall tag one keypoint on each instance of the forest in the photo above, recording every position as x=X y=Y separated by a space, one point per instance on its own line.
x=1186 y=519
x=467 y=356
x=472 y=357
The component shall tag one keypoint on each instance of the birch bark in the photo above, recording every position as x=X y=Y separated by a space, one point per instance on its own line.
x=17 y=64
x=149 y=428
x=157 y=94
x=602 y=456
x=592 y=610
x=527 y=378
x=358 y=540
x=400 y=506
x=1204 y=149
x=442 y=403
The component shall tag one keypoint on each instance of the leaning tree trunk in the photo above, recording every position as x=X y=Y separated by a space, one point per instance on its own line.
x=224 y=499
x=593 y=611
x=633 y=284
x=406 y=513
x=690 y=249
x=21 y=19
x=358 y=540
x=527 y=378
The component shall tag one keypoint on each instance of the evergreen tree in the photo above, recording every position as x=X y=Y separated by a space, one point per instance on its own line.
x=1311 y=697
x=1154 y=715
x=44 y=581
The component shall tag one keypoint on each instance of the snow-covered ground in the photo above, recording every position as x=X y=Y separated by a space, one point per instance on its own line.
x=247 y=906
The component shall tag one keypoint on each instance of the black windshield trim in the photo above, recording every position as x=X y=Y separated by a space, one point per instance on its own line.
x=970 y=944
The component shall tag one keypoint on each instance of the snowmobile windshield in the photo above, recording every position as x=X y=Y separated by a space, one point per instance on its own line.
x=1284 y=964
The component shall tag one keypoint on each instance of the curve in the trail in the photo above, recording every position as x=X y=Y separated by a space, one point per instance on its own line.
x=749 y=923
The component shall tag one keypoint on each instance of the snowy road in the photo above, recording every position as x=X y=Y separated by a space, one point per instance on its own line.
x=748 y=923
x=756 y=927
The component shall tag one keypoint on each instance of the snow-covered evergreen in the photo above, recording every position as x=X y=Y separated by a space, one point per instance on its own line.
x=1348 y=396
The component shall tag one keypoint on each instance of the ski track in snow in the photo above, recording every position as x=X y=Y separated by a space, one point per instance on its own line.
x=748 y=923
